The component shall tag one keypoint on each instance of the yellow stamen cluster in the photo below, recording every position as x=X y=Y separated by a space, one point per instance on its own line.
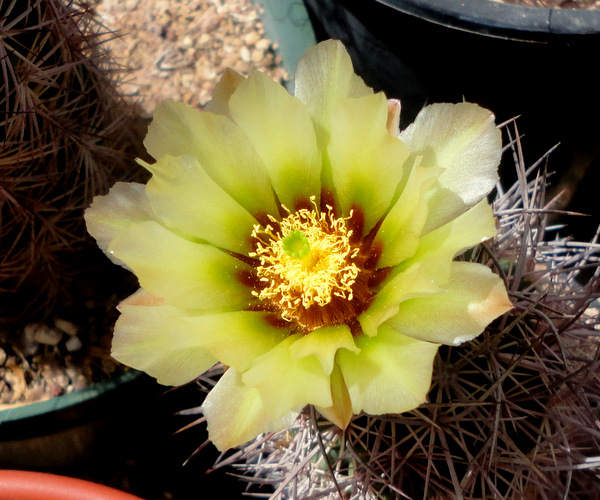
x=306 y=261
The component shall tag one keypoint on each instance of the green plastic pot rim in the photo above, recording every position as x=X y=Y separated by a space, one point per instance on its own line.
x=25 y=485
x=67 y=400
x=495 y=18
x=286 y=22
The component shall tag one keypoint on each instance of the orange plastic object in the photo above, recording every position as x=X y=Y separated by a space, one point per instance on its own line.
x=23 y=485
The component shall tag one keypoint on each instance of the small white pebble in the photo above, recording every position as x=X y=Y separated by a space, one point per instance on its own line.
x=245 y=54
x=62 y=380
x=73 y=344
x=257 y=56
x=31 y=345
x=78 y=379
x=263 y=44
x=66 y=326
x=30 y=331
x=48 y=336
x=204 y=39
x=186 y=42
x=251 y=38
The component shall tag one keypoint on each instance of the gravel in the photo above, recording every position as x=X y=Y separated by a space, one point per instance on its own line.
x=178 y=49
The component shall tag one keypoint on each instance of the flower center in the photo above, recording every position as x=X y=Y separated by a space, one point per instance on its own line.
x=306 y=261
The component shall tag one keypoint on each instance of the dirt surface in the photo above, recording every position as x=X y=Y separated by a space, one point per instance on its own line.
x=178 y=49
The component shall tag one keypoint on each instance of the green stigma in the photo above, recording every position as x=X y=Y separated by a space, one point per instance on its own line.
x=295 y=244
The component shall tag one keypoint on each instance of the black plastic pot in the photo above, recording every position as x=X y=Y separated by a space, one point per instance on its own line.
x=72 y=428
x=508 y=57
x=540 y=64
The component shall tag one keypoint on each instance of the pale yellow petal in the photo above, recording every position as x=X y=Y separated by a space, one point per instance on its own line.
x=282 y=133
x=108 y=215
x=219 y=146
x=172 y=344
x=287 y=383
x=400 y=231
x=141 y=298
x=187 y=275
x=226 y=86
x=156 y=340
x=474 y=297
x=236 y=338
x=390 y=374
x=235 y=413
x=393 y=119
x=324 y=76
x=437 y=248
x=324 y=344
x=366 y=161
x=188 y=201
x=428 y=270
x=411 y=283
x=462 y=139
x=340 y=412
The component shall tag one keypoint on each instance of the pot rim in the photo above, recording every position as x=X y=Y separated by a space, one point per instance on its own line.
x=287 y=23
x=495 y=18
x=65 y=401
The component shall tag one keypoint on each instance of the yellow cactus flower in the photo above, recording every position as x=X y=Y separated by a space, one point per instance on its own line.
x=306 y=243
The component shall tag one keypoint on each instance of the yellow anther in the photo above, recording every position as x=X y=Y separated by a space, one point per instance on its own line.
x=306 y=261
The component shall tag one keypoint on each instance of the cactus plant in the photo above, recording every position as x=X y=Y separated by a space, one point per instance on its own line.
x=512 y=414
x=65 y=135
